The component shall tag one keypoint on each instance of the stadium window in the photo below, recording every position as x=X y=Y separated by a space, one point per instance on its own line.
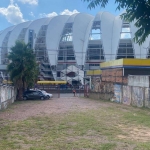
x=125 y=33
x=67 y=32
x=93 y=65
x=95 y=31
x=58 y=74
x=125 y=50
x=148 y=54
x=95 y=52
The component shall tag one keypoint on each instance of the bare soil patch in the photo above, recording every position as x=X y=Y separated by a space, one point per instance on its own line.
x=138 y=133
x=54 y=106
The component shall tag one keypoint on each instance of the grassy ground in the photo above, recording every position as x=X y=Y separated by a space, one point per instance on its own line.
x=115 y=127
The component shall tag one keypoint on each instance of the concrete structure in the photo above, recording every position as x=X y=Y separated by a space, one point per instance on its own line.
x=7 y=96
x=93 y=73
x=79 y=40
x=117 y=71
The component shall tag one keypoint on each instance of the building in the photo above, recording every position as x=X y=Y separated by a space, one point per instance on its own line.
x=118 y=71
x=66 y=46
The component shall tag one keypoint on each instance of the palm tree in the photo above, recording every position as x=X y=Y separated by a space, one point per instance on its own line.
x=22 y=68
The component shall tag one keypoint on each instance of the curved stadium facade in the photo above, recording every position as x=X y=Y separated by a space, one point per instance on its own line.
x=66 y=46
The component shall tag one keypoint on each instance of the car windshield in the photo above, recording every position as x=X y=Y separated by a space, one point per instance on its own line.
x=43 y=92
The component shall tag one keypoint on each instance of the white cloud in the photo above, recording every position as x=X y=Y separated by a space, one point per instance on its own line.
x=48 y=15
x=11 y=1
x=31 y=14
x=12 y=13
x=31 y=2
x=65 y=12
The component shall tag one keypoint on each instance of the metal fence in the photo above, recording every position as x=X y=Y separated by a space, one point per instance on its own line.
x=62 y=90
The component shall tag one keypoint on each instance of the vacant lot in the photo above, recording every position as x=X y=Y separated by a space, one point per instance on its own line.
x=74 y=124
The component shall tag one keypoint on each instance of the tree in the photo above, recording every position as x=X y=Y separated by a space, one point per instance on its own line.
x=22 y=68
x=136 y=10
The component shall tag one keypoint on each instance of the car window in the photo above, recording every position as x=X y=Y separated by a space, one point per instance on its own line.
x=30 y=91
x=39 y=92
x=35 y=93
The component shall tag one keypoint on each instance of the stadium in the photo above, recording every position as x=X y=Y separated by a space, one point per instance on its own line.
x=67 y=46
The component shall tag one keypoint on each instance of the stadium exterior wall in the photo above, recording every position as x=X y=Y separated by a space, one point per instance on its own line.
x=80 y=27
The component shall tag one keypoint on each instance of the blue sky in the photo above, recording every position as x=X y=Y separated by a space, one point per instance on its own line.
x=16 y=11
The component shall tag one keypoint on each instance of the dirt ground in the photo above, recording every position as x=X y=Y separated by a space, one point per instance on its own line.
x=56 y=105
x=24 y=109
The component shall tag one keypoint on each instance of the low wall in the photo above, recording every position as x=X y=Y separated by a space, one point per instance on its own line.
x=7 y=96
x=102 y=96
x=128 y=95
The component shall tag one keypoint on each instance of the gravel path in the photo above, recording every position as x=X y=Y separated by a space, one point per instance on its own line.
x=33 y=108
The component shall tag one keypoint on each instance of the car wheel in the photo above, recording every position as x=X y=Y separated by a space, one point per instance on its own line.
x=42 y=98
x=24 y=98
x=48 y=97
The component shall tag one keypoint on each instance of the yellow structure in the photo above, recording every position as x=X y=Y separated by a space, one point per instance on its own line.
x=93 y=72
x=51 y=82
x=7 y=82
x=39 y=82
x=132 y=62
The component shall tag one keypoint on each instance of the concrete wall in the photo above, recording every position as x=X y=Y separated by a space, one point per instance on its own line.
x=101 y=96
x=7 y=96
x=128 y=95
x=101 y=90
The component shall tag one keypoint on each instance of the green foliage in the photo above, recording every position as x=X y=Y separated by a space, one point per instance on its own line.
x=137 y=11
x=22 y=68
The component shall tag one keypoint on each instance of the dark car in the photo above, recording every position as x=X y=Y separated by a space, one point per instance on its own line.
x=32 y=94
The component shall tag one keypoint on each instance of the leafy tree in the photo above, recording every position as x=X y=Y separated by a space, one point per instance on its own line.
x=136 y=10
x=22 y=68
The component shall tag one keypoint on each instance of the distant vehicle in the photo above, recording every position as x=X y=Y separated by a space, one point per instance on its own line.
x=49 y=96
x=33 y=94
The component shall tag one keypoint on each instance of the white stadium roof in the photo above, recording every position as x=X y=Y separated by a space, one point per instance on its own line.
x=77 y=31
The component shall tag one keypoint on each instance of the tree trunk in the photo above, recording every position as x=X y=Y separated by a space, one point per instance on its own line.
x=19 y=94
x=23 y=84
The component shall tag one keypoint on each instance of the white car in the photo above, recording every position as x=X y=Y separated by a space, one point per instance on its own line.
x=49 y=96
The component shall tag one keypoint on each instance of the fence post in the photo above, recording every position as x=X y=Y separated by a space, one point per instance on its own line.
x=122 y=93
x=84 y=90
x=0 y=96
x=59 y=91
x=131 y=94
x=79 y=91
x=144 y=97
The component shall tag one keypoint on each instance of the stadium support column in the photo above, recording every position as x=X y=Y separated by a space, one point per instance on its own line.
x=82 y=61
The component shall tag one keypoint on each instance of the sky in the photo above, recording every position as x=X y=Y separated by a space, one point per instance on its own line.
x=13 y=12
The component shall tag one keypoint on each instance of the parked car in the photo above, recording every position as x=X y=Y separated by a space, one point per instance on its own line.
x=49 y=96
x=33 y=94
